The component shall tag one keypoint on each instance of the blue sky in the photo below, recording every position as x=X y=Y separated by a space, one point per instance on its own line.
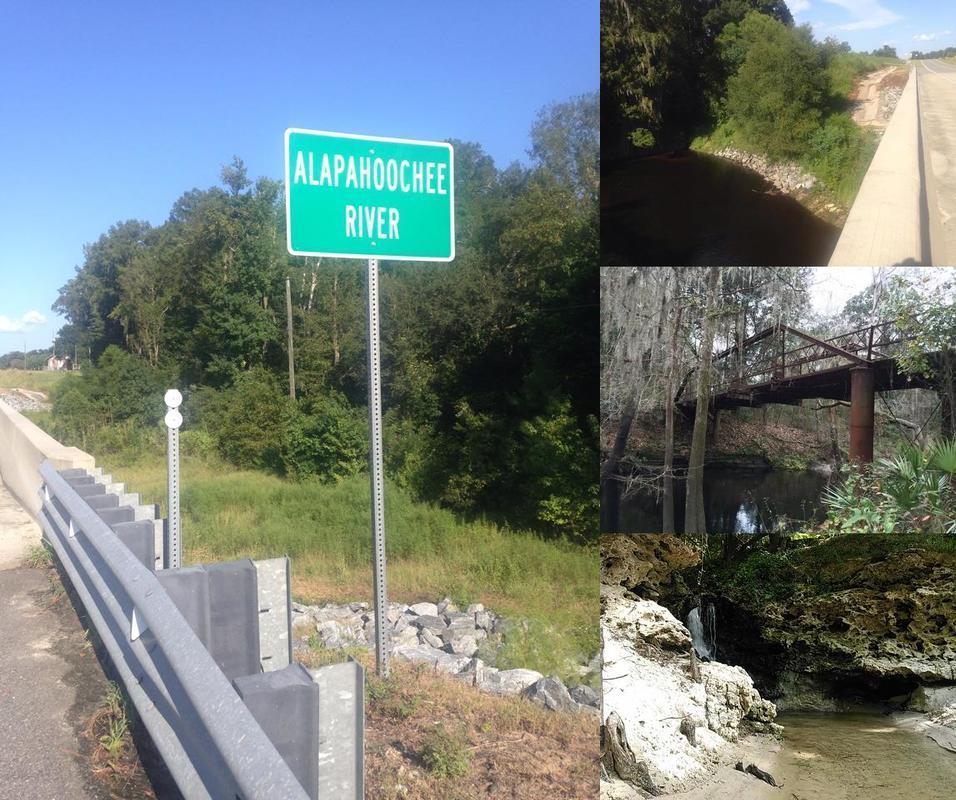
x=110 y=110
x=907 y=25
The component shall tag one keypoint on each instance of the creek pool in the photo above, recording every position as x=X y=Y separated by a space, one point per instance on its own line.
x=860 y=756
x=736 y=500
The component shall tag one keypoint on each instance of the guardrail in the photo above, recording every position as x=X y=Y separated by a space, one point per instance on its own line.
x=208 y=726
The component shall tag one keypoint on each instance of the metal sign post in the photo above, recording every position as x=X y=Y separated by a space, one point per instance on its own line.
x=173 y=420
x=370 y=197
x=375 y=470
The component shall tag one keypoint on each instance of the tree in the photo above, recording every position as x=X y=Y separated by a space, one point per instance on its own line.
x=669 y=525
x=779 y=83
x=886 y=51
x=694 y=516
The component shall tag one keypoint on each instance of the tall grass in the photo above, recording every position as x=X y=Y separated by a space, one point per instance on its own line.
x=36 y=380
x=325 y=529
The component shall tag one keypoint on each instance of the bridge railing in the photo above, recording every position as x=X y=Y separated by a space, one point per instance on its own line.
x=208 y=738
x=773 y=358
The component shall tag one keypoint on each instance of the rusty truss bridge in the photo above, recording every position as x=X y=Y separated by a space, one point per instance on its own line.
x=784 y=365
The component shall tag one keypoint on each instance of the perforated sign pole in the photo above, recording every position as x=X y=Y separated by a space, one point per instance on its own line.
x=173 y=420
x=370 y=198
x=375 y=470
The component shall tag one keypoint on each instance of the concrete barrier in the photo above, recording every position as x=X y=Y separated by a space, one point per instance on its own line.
x=884 y=226
x=23 y=447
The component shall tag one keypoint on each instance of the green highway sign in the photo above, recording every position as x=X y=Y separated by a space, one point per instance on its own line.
x=351 y=196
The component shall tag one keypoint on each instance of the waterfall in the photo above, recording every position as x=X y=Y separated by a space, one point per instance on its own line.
x=703 y=631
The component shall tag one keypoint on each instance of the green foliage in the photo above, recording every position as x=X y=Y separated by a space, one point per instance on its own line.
x=661 y=73
x=256 y=425
x=445 y=752
x=764 y=577
x=778 y=87
x=913 y=492
x=38 y=556
x=324 y=528
x=839 y=153
x=471 y=352
x=122 y=394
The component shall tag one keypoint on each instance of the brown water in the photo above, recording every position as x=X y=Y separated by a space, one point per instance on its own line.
x=847 y=756
x=861 y=756
x=696 y=209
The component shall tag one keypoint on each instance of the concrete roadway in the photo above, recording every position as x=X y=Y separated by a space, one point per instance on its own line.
x=937 y=102
x=49 y=682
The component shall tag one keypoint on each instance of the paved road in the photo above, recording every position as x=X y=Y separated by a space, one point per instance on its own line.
x=937 y=96
x=49 y=683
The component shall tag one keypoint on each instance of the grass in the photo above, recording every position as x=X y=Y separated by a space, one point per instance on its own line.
x=431 y=737
x=36 y=380
x=229 y=514
x=845 y=68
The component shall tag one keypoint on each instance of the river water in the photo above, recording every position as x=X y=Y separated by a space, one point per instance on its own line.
x=861 y=756
x=696 y=209
x=736 y=500
x=846 y=756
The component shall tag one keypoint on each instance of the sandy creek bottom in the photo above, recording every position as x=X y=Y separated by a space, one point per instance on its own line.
x=849 y=756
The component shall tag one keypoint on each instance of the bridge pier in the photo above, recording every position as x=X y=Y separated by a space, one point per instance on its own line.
x=861 y=415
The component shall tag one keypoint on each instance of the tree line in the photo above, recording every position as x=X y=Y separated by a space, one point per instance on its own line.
x=488 y=363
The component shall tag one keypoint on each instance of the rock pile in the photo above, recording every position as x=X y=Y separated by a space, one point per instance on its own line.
x=786 y=177
x=889 y=97
x=22 y=401
x=447 y=638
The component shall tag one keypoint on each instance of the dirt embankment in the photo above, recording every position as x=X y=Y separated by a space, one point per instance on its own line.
x=745 y=440
x=876 y=94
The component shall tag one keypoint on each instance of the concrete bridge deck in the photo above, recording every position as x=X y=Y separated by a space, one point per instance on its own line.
x=905 y=211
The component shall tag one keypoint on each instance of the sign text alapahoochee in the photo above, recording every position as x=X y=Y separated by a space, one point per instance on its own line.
x=369 y=197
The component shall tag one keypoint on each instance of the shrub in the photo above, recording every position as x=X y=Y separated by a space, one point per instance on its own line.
x=120 y=389
x=780 y=85
x=445 y=753
x=912 y=492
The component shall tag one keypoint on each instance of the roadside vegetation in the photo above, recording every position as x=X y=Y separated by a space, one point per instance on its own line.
x=230 y=513
x=488 y=362
x=34 y=380
x=738 y=73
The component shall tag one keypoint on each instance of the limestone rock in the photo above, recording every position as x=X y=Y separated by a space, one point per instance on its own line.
x=460 y=644
x=586 y=696
x=431 y=639
x=649 y=622
x=648 y=566
x=424 y=609
x=731 y=697
x=434 y=624
x=511 y=681
x=551 y=693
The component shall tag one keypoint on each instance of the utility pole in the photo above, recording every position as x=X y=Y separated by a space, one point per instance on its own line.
x=288 y=312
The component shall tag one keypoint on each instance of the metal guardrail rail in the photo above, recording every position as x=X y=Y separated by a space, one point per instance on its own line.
x=211 y=743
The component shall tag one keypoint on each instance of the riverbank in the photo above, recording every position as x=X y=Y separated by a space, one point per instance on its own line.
x=826 y=178
x=748 y=437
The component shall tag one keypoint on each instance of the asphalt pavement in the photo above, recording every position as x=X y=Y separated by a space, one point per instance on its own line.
x=49 y=681
x=937 y=102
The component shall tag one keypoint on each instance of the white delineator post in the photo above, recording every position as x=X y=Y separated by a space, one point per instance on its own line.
x=173 y=420
x=375 y=472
